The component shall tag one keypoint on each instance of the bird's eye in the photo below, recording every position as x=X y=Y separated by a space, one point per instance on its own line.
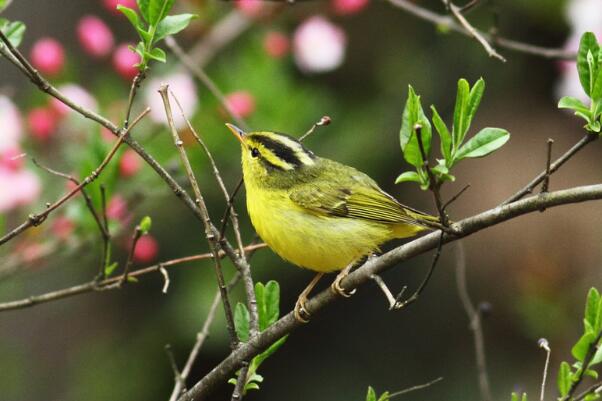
x=254 y=152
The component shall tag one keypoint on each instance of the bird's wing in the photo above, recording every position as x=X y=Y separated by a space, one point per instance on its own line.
x=361 y=203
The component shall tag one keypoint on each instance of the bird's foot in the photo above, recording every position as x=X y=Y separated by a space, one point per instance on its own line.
x=301 y=313
x=336 y=287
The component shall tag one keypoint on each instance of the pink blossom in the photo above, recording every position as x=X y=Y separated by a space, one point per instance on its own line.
x=12 y=128
x=319 y=45
x=346 y=7
x=48 y=56
x=276 y=44
x=24 y=188
x=146 y=250
x=62 y=227
x=241 y=103
x=111 y=5
x=251 y=8
x=124 y=60
x=12 y=159
x=183 y=87
x=129 y=164
x=94 y=36
x=42 y=123
x=117 y=208
x=76 y=93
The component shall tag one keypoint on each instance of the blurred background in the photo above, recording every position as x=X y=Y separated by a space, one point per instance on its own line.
x=282 y=68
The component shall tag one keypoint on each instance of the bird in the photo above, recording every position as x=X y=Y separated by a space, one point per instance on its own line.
x=317 y=213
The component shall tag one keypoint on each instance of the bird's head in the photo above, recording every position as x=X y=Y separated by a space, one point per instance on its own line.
x=271 y=156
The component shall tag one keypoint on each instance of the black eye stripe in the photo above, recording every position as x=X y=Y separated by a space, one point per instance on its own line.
x=280 y=150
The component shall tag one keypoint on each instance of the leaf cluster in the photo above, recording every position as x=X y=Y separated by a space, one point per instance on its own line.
x=154 y=25
x=371 y=395
x=454 y=146
x=268 y=310
x=14 y=31
x=589 y=67
x=586 y=351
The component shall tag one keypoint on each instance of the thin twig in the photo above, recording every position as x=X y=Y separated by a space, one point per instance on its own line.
x=434 y=184
x=130 y=259
x=324 y=121
x=472 y=31
x=133 y=90
x=201 y=336
x=546 y=179
x=414 y=388
x=449 y=23
x=553 y=168
x=34 y=220
x=106 y=245
x=166 y=280
x=174 y=366
x=455 y=197
x=210 y=231
x=286 y=324
x=108 y=284
x=543 y=343
x=474 y=317
x=239 y=388
x=594 y=388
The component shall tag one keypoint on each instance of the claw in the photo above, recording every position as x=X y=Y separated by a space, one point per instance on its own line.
x=300 y=311
x=336 y=288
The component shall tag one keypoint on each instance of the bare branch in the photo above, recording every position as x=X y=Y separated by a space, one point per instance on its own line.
x=414 y=388
x=468 y=226
x=472 y=31
x=108 y=284
x=449 y=23
x=543 y=343
x=210 y=231
x=324 y=121
x=553 y=168
x=36 y=219
x=474 y=318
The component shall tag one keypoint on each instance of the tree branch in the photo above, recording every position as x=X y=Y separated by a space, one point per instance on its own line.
x=468 y=226
x=448 y=22
x=108 y=284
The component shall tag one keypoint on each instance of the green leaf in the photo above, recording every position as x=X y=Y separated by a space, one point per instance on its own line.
x=157 y=10
x=592 y=397
x=173 y=24
x=597 y=84
x=444 y=135
x=413 y=115
x=131 y=15
x=569 y=102
x=132 y=279
x=587 y=45
x=597 y=358
x=371 y=395
x=564 y=379
x=4 y=4
x=145 y=224
x=524 y=397
x=14 y=31
x=460 y=111
x=484 y=142
x=591 y=373
x=407 y=176
x=251 y=386
x=514 y=397
x=272 y=302
x=143 y=6
x=474 y=100
x=259 y=359
x=579 y=350
x=593 y=308
x=384 y=396
x=156 y=54
x=241 y=322
x=110 y=269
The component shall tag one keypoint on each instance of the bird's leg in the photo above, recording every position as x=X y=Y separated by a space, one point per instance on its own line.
x=336 y=285
x=300 y=308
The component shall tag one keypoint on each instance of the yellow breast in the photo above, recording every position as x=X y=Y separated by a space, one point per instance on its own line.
x=319 y=243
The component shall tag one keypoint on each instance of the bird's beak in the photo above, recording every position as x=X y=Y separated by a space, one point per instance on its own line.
x=238 y=133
